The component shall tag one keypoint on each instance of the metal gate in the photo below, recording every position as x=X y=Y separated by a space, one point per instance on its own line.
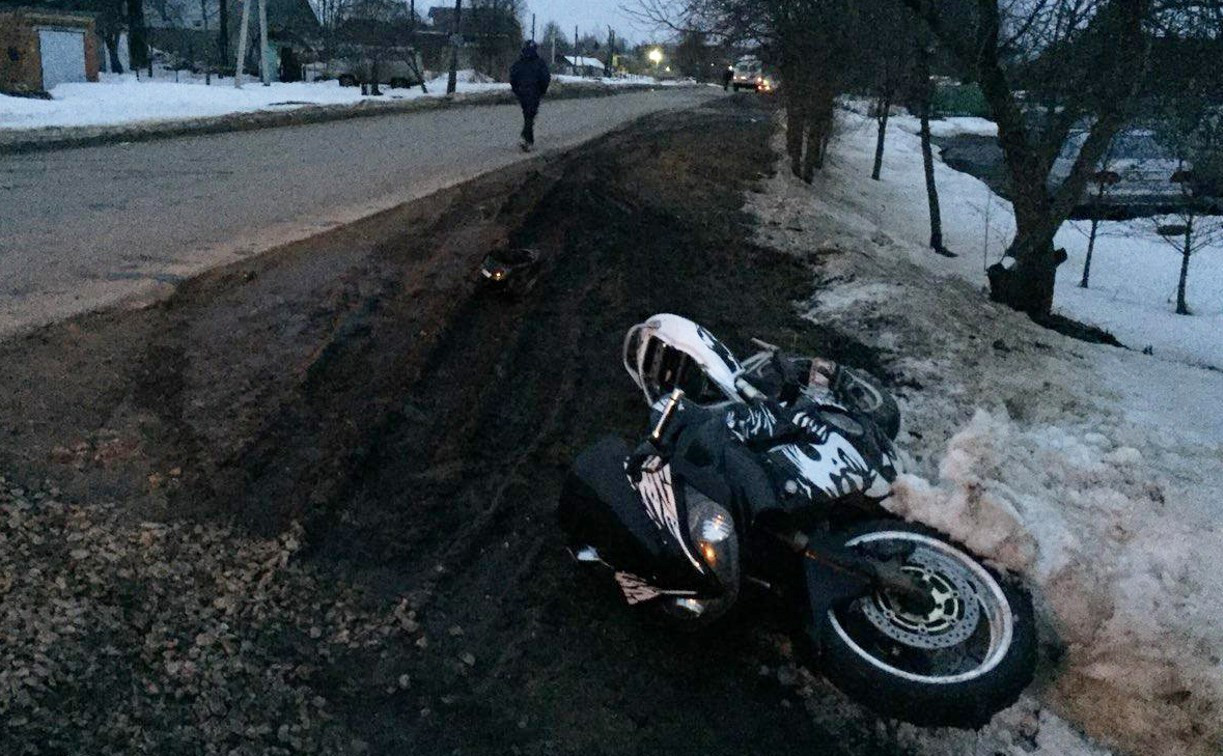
x=63 y=56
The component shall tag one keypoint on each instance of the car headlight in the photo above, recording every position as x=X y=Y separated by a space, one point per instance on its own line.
x=712 y=530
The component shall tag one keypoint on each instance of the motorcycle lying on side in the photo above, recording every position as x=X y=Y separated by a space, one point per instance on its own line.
x=771 y=471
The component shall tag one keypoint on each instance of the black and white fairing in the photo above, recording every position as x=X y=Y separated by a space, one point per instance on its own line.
x=837 y=455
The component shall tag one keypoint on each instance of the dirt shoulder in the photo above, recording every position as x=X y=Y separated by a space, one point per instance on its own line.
x=37 y=140
x=388 y=440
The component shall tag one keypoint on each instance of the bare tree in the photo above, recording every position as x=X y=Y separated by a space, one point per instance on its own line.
x=923 y=95
x=553 y=41
x=888 y=66
x=805 y=39
x=1190 y=230
x=137 y=45
x=1189 y=123
x=495 y=28
x=1103 y=180
x=111 y=22
x=1080 y=61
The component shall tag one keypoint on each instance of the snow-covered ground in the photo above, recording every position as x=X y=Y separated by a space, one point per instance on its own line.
x=1093 y=471
x=1133 y=274
x=123 y=99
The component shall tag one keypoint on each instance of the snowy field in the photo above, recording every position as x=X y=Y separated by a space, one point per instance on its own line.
x=123 y=99
x=1093 y=471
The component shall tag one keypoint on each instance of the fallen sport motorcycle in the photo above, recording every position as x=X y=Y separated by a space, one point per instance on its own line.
x=770 y=472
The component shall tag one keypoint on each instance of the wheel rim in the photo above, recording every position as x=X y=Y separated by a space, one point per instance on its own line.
x=966 y=635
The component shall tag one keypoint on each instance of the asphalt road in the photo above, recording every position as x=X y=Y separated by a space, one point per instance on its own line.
x=87 y=228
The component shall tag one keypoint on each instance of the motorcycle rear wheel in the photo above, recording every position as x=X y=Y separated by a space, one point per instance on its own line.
x=955 y=666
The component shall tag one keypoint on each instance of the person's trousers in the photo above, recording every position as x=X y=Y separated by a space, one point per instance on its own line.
x=529 y=111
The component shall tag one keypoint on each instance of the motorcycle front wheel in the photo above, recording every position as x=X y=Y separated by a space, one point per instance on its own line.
x=955 y=665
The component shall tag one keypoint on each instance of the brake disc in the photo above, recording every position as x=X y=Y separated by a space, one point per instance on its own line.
x=956 y=611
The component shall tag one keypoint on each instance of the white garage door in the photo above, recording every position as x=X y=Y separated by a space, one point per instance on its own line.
x=63 y=56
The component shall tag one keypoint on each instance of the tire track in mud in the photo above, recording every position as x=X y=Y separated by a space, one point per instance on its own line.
x=422 y=429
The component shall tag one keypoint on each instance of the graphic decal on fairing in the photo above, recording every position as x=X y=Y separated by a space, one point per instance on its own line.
x=636 y=589
x=718 y=348
x=825 y=464
x=748 y=421
x=832 y=467
x=658 y=495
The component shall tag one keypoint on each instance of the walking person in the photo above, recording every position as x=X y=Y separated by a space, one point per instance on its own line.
x=529 y=79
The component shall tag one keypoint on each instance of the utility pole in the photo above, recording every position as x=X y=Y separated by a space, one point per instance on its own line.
x=554 y=51
x=264 y=75
x=574 y=56
x=611 y=50
x=532 y=27
x=454 y=47
x=242 y=30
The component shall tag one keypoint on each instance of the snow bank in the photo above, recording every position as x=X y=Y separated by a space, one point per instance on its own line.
x=122 y=99
x=1134 y=271
x=1093 y=471
x=466 y=80
x=1120 y=573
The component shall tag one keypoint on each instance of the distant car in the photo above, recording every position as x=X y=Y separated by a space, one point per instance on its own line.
x=394 y=67
x=749 y=72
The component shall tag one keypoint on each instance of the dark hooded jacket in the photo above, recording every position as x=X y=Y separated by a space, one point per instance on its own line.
x=529 y=78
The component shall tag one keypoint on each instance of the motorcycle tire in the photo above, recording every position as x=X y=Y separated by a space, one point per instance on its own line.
x=872 y=399
x=874 y=650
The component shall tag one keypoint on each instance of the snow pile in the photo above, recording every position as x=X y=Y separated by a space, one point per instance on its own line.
x=1093 y=471
x=1134 y=271
x=466 y=80
x=119 y=99
x=122 y=99
x=1120 y=573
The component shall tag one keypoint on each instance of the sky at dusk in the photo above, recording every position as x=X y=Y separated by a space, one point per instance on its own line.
x=590 y=16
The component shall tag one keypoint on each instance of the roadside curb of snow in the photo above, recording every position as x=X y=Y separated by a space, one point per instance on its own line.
x=58 y=138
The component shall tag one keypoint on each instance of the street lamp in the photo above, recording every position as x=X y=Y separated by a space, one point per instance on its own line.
x=655 y=56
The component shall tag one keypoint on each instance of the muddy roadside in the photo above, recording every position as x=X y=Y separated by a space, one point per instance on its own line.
x=362 y=384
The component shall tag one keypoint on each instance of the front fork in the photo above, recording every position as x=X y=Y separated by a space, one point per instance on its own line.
x=835 y=574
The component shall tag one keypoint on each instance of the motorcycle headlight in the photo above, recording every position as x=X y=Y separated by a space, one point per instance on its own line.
x=712 y=530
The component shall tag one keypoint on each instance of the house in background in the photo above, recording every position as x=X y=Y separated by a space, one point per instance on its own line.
x=578 y=65
x=41 y=48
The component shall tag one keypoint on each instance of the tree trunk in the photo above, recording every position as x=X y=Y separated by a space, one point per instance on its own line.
x=1091 y=245
x=137 y=45
x=812 y=159
x=223 y=29
x=884 y=106
x=112 y=51
x=796 y=128
x=1024 y=278
x=796 y=120
x=927 y=151
x=452 y=80
x=1182 y=307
